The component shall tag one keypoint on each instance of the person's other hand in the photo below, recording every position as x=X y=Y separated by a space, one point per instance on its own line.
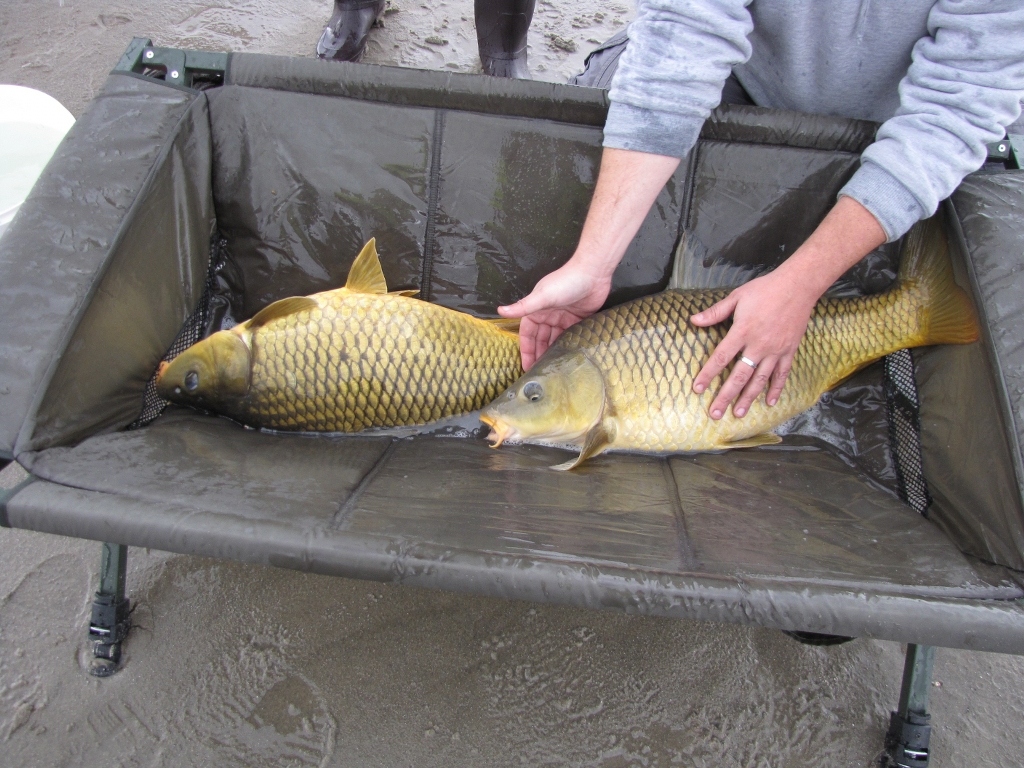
x=559 y=300
x=627 y=185
x=770 y=315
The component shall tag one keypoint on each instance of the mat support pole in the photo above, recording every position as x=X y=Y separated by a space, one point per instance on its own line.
x=110 y=621
x=906 y=743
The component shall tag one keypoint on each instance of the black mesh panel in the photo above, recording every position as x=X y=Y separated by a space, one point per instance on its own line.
x=905 y=429
x=196 y=327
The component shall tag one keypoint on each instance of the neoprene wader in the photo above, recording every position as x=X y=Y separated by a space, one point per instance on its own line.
x=501 y=27
x=344 y=37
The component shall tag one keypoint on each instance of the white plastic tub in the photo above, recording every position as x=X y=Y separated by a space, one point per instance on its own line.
x=32 y=124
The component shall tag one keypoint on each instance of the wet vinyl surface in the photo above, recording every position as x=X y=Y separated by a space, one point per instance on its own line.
x=239 y=665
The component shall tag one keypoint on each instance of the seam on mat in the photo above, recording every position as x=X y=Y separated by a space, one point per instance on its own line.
x=433 y=190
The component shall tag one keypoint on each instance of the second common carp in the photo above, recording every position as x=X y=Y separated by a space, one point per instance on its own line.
x=623 y=379
x=346 y=360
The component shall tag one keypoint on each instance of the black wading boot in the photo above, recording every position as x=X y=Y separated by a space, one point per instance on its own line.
x=501 y=27
x=344 y=37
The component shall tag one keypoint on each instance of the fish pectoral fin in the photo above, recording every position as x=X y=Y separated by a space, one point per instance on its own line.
x=766 y=438
x=565 y=466
x=598 y=438
x=410 y=292
x=281 y=308
x=510 y=324
x=366 y=276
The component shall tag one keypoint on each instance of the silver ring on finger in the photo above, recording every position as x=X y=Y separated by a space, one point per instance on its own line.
x=748 y=361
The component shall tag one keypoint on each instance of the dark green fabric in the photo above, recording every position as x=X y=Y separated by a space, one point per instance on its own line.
x=788 y=537
x=302 y=181
x=760 y=125
x=69 y=230
x=421 y=88
x=154 y=278
x=534 y=100
x=973 y=397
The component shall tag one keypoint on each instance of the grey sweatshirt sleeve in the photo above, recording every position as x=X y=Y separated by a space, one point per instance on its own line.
x=963 y=86
x=671 y=74
x=962 y=89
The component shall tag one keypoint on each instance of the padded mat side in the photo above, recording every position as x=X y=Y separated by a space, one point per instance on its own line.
x=986 y=625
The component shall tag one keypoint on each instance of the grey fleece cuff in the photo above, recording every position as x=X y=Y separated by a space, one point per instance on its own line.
x=885 y=196
x=644 y=130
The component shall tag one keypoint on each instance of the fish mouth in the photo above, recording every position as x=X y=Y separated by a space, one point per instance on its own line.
x=500 y=431
x=162 y=384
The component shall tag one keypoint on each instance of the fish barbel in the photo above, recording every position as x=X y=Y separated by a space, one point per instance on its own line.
x=623 y=379
x=346 y=360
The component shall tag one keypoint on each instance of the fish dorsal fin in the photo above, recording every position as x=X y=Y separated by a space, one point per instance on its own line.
x=765 y=438
x=697 y=268
x=281 y=308
x=408 y=292
x=366 y=276
x=510 y=324
x=597 y=439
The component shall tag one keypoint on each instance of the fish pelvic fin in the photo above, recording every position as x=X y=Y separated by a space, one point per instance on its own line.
x=366 y=276
x=510 y=324
x=765 y=438
x=279 y=309
x=596 y=441
x=948 y=315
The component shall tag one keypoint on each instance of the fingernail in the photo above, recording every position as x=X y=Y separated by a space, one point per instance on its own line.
x=739 y=411
x=772 y=400
x=716 y=415
x=698 y=388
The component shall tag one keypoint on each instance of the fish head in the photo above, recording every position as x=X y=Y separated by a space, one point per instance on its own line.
x=557 y=401
x=211 y=372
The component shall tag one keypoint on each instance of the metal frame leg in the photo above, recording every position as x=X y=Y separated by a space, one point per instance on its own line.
x=906 y=743
x=110 y=611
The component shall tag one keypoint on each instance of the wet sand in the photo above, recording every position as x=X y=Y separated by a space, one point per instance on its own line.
x=239 y=665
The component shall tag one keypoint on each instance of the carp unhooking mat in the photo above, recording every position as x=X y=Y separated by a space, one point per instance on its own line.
x=172 y=211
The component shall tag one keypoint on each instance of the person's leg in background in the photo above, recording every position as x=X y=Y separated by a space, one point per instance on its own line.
x=501 y=27
x=344 y=37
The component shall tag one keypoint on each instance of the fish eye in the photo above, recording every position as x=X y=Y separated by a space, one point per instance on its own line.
x=533 y=391
x=191 y=381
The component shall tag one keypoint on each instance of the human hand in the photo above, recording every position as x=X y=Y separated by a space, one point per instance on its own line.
x=559 y=300
x=770 y=315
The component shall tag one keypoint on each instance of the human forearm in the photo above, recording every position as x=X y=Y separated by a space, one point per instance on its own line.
x=846 y=235
x=627 y=186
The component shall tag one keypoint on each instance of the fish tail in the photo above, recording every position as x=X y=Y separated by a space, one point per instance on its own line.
x=948 y=315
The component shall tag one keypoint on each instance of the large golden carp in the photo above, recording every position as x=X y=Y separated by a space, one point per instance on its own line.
x=623 y=378
x=347 y=359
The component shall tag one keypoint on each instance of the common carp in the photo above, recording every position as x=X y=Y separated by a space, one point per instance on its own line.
x=622 y=379
x=346 y=360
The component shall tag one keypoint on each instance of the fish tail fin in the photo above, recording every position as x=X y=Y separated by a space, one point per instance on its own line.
x=948 y=315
